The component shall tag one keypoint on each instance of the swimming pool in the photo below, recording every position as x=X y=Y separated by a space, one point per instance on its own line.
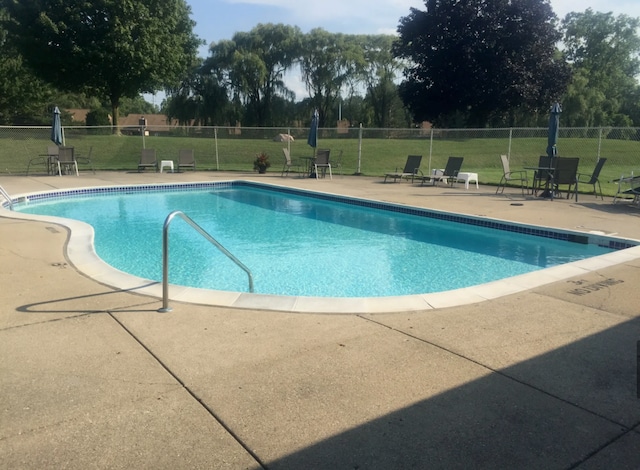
x=330 y=245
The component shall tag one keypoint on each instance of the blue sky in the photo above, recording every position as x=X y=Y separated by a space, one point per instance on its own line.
x=219 y=19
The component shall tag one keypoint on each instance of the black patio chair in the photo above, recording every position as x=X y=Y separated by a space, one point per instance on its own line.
x=540 y=177
x=593 y=178
x=450 y=173
x=565 y=172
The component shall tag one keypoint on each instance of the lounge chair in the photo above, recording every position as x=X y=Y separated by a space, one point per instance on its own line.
x=321 y=163
x=337 y=162
x=66 y=161
x=509 y=176
x=566 y=173
x=632 y=183
x=186 y=159
x=48 y=159
x=288 y=163
x=593 y=178
x=148 y=160
x=81 y=160
x=411 y=169
x=449 y=174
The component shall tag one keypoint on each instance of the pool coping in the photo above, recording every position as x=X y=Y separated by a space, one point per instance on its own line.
x=81 y=254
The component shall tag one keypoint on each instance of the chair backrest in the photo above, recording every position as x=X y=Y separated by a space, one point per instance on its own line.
x=453 y=166
x=505 y=165
x=287 y=156
x=148 y=157
x=566 y=170
x=52 y=150
x=544 y=161
x=413 y=163
x=596 y=171
x=185 y=157
x=322 y=157
x=65 y=154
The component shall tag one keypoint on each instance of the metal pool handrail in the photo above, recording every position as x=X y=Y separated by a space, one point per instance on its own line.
x=165 y=255
x=7 y=197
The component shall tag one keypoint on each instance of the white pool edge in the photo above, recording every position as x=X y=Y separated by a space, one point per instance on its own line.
x=81 y=254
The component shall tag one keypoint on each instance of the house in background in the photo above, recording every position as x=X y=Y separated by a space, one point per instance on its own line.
x=155 y=123
x=78 y=115
x=130 y=124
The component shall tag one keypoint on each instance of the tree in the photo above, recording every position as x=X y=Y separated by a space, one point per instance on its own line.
x=110 y=48
x=604 y=52
x=23 y=97
x=253 y=65
x=479 y=59
x=328 y=62
x=378 y=71
x=200 y=99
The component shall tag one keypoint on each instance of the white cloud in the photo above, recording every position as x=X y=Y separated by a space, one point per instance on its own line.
x=355 y=13
x=618 y=7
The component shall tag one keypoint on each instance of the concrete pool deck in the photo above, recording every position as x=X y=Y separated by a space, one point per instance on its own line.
x=95 y=377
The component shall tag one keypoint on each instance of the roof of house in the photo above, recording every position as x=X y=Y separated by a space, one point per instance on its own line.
x=78 y=115
x=154 y=121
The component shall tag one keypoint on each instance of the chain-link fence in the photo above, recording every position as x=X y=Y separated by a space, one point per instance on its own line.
x=364 y=151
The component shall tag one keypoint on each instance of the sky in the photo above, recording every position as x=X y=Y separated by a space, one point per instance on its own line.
x=218 y=20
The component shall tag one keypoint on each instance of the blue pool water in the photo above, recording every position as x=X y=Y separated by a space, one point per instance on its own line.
x=301 y=245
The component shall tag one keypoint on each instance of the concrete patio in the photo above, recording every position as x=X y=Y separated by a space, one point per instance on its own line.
x=95 y=377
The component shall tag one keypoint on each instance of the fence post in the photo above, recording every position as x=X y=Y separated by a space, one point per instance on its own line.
x=430 y=149
x=215 y=138
x=510 y=139
x=599 y=142
x=359 y=149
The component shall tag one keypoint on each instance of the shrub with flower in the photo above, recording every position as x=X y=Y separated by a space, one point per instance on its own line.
x=261 y=163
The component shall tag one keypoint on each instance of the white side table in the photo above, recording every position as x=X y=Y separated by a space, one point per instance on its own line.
x=467 y=177
x=166 y=164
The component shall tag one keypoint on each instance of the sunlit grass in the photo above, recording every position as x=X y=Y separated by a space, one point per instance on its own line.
x=371 y=157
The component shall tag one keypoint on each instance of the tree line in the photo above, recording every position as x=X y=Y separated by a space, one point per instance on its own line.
x=456 y=64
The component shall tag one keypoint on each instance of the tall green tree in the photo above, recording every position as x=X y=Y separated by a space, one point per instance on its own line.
x=200 y=99
x=253 y=65
x=480 y=59
x=23 y=97
x=378 y=72
x=328 y=62
x=604 y=52
x=110 y=48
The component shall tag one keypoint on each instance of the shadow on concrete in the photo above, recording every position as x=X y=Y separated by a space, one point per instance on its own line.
x=47 y=306
x=575 y=407
x=618 y=208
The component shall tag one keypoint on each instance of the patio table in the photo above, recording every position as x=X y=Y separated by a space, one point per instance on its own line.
x=548 y=185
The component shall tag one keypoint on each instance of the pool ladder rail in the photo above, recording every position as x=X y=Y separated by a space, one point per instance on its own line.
x=7 y=197
x=165 y=255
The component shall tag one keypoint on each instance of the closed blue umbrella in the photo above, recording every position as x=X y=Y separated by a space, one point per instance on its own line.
x=56 y=128
x=554 y=126
x=312 y=140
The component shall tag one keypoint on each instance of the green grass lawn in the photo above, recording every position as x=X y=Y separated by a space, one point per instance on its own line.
x=373 y=157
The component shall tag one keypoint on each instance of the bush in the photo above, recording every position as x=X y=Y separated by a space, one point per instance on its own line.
x=98 y=117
